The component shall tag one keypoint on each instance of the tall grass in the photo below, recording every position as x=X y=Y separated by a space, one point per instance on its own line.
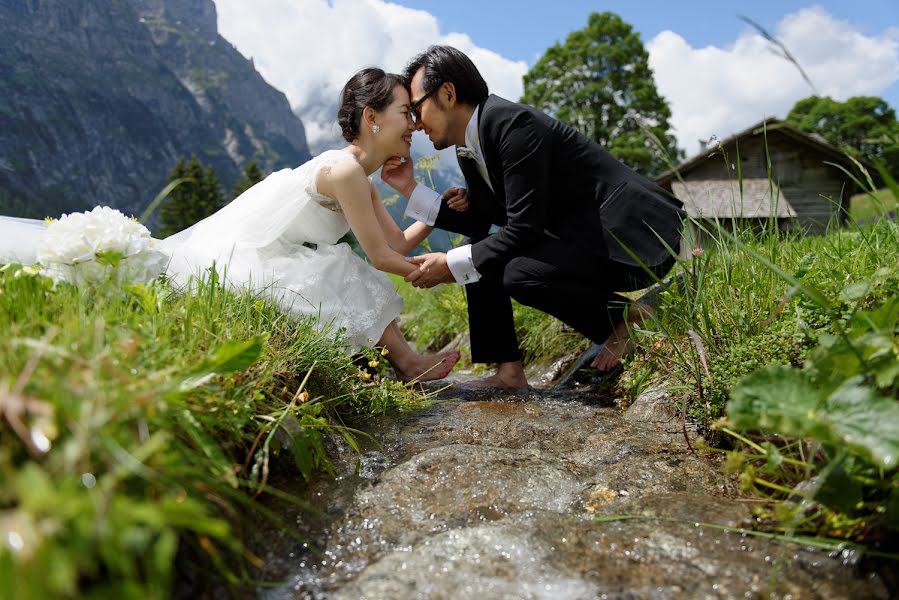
x=869 y=205
x=436 y=317
x=138 y=422
x=787 y=345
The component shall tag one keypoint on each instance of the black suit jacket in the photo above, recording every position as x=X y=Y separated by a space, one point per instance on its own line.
x=550 y=180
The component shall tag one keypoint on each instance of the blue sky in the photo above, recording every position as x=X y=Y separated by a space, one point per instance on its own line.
x=717 y=74
x=524 y=34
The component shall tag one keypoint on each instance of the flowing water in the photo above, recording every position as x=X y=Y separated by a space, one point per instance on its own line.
x=502 y=497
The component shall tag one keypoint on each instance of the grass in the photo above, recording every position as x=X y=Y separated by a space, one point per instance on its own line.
x=872 y=204
x=783 y=348
x=433 y=318
x=139 y=424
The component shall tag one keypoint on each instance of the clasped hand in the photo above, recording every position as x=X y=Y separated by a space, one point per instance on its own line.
x=432 y=270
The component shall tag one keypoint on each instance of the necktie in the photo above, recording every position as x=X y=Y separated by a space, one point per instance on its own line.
x=466 y=152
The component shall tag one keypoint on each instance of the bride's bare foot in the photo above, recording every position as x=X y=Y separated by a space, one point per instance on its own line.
x=619 y=342
x=427 y=367
x=508 y=376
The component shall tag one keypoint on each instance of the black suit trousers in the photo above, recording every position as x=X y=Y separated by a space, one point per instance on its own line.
x=560 y=279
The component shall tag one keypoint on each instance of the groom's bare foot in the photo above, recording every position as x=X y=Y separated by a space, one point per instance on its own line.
x=619 y=342
x=508 y=376
x=428 y=367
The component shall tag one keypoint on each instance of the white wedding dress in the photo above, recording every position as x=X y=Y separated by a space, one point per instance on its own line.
x=279 y=240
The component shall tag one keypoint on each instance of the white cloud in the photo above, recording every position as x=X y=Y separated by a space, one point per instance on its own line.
x=719 y=91
x=309 y=48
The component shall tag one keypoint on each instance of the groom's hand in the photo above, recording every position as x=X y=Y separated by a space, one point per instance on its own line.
x=432 y=269
x=397 y=173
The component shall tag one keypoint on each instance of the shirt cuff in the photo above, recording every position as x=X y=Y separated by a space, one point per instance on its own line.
x=461 y=266
x=424 y=204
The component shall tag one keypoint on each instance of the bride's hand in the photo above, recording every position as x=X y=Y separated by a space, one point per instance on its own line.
x=457 y=198
x=397 y=173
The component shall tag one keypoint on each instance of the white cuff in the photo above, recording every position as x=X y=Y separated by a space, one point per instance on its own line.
x=461 y=266
x=424 y=204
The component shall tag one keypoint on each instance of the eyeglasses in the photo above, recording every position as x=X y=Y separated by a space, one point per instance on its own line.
x=413 y=110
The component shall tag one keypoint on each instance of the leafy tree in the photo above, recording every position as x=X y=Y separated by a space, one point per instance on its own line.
x=250 y=176
x=198 y=197
x=865 y=125
x=599 y=82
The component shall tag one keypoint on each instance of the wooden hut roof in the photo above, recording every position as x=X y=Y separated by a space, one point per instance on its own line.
x=711 y=198
x=771 y=124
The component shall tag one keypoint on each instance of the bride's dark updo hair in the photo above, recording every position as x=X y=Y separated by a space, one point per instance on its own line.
x=369 y=87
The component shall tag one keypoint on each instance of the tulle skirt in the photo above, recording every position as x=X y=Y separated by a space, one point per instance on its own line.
x=329 y=282
x=19 y=239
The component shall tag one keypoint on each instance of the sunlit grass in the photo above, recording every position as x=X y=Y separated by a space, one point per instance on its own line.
x=871 y=204
x=140 y=420
x=435 y=317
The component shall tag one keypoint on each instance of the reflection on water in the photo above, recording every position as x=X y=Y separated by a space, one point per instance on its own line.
x=503 y=496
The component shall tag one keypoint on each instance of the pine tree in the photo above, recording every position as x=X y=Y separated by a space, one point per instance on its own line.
x=196 y=198
x=250 y=176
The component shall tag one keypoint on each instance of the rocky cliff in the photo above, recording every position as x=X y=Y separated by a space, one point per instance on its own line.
x=100 y=98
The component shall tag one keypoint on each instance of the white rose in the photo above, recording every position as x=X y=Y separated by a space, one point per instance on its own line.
x=100 y=244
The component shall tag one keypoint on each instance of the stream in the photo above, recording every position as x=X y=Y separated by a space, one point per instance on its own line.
x=511 y=496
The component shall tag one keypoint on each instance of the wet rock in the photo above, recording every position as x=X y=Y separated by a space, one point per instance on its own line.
x=490 y=561
x=540 y=496
x=640 y=558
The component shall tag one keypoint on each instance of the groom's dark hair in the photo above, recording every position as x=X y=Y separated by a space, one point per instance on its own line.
x=446 y=64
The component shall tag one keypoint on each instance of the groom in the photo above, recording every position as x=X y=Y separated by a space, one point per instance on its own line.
x=575 y=225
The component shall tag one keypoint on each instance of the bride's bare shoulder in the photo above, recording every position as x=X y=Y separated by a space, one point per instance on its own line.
x=340 y=175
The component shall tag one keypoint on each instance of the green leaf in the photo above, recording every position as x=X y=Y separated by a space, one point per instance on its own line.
x=209 y=446
x=855 y=291
x=886 y=372
x=838 y=490
x=805 y=265
x=776 y=398
x=783 y=400
x=833 y=361
x=884 y=318
x=110 y=257
x=303 y=447
x=60 y=570
x=161 y=556
x=8 y=578
x=149 y=300
x=892 y=514
x=230 y=357
x=866 y=422
x=775 y=458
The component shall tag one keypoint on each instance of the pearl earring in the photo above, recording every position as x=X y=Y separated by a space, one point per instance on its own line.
x=375 y=128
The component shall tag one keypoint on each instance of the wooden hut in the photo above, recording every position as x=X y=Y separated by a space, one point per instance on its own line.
x=731 y=181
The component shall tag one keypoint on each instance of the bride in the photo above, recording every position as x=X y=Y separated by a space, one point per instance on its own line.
x=279 y=238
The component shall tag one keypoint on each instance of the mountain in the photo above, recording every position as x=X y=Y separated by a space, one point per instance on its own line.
x=100 y=98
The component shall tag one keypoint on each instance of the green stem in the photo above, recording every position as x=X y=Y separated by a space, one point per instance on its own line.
x=778 y=487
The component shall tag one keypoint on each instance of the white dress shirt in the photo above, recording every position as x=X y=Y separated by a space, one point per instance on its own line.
x=424 y=204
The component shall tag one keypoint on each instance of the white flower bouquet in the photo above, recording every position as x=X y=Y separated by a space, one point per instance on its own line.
x=99 y=245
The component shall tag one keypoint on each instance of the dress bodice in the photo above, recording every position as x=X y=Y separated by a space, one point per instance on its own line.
x=318 y=219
